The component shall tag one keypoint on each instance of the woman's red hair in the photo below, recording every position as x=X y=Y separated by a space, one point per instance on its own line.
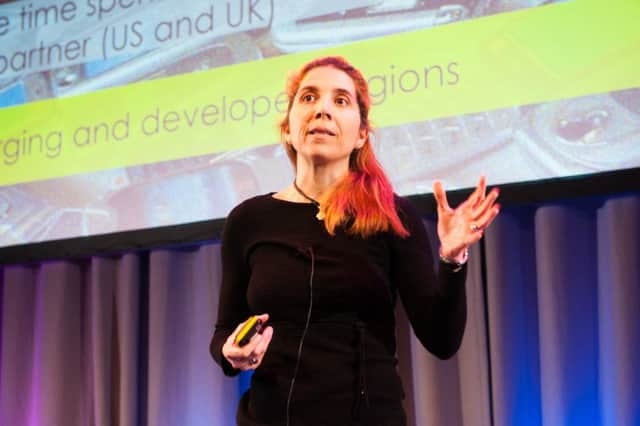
x=363 y=201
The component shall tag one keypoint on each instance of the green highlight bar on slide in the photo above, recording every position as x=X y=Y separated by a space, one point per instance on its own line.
x=542 y=54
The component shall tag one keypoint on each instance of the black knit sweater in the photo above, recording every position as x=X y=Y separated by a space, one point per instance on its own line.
x=277 y=258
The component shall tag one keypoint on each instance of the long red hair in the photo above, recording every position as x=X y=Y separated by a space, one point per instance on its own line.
x=363 y=201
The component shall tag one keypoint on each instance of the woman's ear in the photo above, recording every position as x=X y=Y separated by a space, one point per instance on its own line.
x=364 y=134
x=286 y=135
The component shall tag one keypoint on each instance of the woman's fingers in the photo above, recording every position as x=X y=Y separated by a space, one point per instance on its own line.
x=486 y=204
x=440 y=196
x=243 y=358
x=478 y=195
x=230 y=350
x=476 y=199
x=263 y=343
x=466 y=224
x=260 y=346
x=485 y=220
x=250 y=355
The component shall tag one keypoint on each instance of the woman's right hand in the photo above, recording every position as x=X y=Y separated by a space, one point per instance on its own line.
x=249 y=356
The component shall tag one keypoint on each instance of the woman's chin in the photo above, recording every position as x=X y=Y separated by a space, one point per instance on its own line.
x=320 y=157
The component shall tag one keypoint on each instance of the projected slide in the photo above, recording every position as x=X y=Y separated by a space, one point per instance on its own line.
x=118 y=115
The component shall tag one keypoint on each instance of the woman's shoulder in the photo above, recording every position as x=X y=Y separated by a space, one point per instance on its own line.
x=255 y=201
x=250 y=206
x=405 y=208
x=400 y=200
x=246 y=216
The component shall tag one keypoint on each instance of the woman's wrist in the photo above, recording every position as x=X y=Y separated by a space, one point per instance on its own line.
x=459 y=258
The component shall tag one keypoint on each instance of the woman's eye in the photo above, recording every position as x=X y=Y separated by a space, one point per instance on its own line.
x=342 y=101
x=308 y=97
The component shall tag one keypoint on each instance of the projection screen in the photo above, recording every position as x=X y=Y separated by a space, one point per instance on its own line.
x=117 y=115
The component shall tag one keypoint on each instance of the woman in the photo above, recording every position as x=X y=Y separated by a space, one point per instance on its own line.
x=322 y=262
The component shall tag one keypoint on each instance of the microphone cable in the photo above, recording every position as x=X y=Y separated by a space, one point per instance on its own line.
x=304 y=333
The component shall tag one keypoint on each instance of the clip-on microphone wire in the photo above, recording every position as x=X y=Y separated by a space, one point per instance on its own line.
x=304 y=333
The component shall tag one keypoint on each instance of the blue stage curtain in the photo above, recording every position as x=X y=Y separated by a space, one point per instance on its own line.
x=553 y=336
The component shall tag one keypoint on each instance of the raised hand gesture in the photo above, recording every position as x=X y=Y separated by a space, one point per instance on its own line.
x=463 y=226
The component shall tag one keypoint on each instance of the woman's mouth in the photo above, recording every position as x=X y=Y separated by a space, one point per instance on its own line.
x=320 y=131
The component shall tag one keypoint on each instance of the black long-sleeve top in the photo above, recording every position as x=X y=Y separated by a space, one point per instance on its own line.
x=277 y=258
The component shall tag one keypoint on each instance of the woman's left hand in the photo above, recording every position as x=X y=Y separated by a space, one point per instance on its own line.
x=463 y=226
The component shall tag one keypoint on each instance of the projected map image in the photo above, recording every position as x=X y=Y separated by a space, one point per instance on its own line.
x=524 y=142
x=563 y=138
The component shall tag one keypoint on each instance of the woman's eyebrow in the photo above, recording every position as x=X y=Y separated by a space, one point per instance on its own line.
x=308 y=89
x=337 y=91
x=346 y=92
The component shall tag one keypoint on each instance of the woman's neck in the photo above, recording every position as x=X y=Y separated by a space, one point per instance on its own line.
x=316 y=180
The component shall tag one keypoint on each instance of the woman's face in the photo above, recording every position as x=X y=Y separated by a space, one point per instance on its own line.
x=324 y=121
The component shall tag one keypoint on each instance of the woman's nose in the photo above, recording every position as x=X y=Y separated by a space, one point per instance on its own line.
x=323 y=108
